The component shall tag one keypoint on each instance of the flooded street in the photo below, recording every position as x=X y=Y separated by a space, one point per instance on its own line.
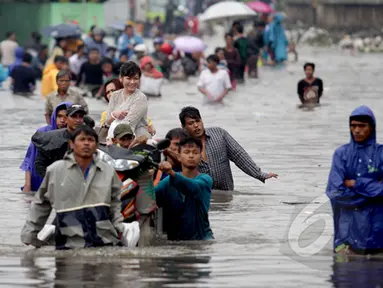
x=257 y=227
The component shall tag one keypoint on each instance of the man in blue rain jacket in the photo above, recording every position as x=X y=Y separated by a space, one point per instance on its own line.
x=355 y=188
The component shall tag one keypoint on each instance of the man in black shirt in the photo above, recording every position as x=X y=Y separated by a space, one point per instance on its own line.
x=91 y=73
x=310 y=89
x=24 y=77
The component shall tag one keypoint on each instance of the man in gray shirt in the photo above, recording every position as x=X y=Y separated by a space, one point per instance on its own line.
x=219 y=148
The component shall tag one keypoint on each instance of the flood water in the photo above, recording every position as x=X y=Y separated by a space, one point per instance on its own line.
x=260 y=229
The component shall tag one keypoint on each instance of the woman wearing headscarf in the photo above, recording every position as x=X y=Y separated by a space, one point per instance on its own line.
x=32 y=179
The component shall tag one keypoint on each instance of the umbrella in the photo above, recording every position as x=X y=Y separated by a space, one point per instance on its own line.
x=62 y=31
x=120 y=25
x=226 y=10
x=260 y=7
x=189 y=44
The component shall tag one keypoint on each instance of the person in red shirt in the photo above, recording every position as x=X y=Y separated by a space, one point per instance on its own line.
x=148 y=68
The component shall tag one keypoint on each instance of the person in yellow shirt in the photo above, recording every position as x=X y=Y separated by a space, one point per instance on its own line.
x=48 y=82
x=58 y=50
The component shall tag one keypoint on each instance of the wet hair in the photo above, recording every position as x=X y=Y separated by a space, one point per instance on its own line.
x=229 y=35
x=130 y=69
x=190 y=141
x=61 y=59
x=236 y=23
x=363 y=119
x=190 y=112
x=80 y=47
x=43 y=47
x=176 y=133
x=93 y=50
x=117 y=83
x=63 y=73
x=239 y=28
x=213 y=58
x=27 y=58
x=92 y=28
x=218 y=49
x=111 y=48
x=89 y=121
x=128 y=26
x=61 y=107
x=86 y=130
x=309 y=64
x=107 y=60
x=9 y=34
x=259 y=24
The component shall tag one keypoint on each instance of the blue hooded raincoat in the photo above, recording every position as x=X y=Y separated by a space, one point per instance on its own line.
x=19 y=53
x=29 y=160
x=276 y=37
x=358 y=211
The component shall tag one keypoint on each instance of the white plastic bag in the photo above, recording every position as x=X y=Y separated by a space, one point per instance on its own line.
x=131 y=234
x=112 y=127
x=47 y=232
x=151 y=86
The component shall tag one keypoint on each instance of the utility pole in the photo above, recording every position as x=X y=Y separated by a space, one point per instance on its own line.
x=84 y=14
x=315 y=6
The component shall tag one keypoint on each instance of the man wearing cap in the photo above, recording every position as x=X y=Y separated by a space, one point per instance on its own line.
x=52 y=146
x=128 y=41
x=124 y=137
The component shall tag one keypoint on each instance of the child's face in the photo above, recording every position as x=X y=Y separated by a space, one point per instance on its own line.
x=107 y=68
x=211 y=65
x=221 y=55
x=148 y=67
x=124 y=58
x=190 y=156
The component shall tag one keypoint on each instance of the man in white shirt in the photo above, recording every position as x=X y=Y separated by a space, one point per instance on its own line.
x=214 y=83
x=76 y=60
x=7 y=49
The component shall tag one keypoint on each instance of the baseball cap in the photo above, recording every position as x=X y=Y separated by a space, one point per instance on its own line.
x=75 y=108
x=122 y=130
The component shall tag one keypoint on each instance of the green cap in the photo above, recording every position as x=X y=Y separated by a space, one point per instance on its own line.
x=122 y=130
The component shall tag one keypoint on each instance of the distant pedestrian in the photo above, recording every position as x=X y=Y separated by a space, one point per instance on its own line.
x=8 y=48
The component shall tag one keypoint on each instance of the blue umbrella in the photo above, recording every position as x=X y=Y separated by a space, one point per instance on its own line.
x=61 y=31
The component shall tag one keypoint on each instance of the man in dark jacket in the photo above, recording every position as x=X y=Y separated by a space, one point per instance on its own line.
x=255 y=44
x=52 y=146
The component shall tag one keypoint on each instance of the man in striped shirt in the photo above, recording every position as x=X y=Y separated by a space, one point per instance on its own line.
x=219 y=148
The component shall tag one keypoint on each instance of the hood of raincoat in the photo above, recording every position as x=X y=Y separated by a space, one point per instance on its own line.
x=365 y=111
x=49 y=68
x=54 y=114
x=278 y=18
x=19 y=53
x=30 y=157
x=146 y=60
